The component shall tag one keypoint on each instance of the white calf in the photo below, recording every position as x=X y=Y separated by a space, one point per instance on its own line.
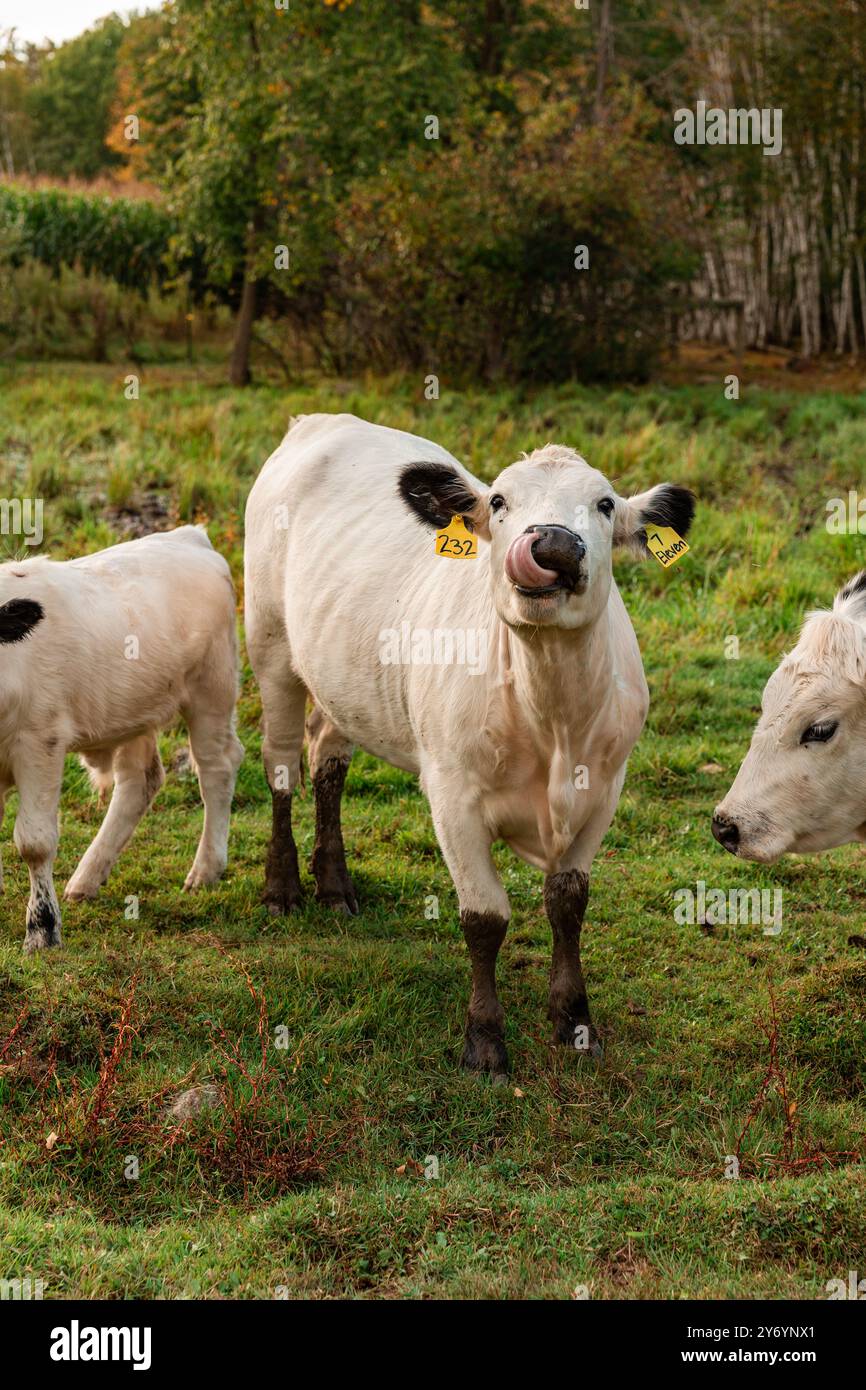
x=98 y=654
x=350 y=600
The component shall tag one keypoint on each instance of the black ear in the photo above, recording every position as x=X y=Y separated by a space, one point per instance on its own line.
x=18 y=618
x=436 y=493
x=670 y=505
x=852 y=599
x=664 y=505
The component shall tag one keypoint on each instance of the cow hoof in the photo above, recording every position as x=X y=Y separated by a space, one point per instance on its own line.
x=339 y=902
x=81 y=892
x=579 y=1037
x=201 y=878
x=484 y=1052
x=280 y=902
x=40 y=941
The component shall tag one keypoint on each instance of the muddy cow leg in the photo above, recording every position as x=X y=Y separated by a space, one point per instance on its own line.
x=330 y=753
x=282 y=875
x=484 y=914
x=333 y=884
x=283 y=700
x=565 y=899
x=484 y=1038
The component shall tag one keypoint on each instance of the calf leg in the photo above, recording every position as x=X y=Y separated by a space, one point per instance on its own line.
x=218 y=753
x=100 y=770
x=138 y=776
x=565 y=899
x=36 y=835
x=329 y=754
x=283 y=702
x=4 y=787
x=484 y=914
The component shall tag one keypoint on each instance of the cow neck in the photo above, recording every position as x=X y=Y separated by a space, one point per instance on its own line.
x=558 y=678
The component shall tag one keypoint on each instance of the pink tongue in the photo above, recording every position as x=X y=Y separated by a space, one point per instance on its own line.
x=521 y=567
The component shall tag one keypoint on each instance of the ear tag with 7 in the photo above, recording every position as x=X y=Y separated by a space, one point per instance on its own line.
x=666 y=545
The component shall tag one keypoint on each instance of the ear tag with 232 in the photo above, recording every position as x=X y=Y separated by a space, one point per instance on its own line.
x=455 y=541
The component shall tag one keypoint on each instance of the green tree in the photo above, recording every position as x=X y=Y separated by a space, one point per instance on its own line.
x=69 y=103
x=291 y=106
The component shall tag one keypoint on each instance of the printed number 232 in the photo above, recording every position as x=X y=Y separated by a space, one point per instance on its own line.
x=453 y=545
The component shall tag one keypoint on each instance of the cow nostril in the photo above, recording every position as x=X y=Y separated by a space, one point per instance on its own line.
x=726 y=831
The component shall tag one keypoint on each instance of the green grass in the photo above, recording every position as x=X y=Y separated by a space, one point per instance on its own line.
x=610 y=1178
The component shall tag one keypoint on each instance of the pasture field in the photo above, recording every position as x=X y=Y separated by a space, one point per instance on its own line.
x=310 y=1176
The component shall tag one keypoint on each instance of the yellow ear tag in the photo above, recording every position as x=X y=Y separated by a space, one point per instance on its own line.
x=456 y=541
x=666 y=545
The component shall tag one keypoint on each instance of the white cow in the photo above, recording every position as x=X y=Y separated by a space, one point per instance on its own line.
x=348 y=601
x=97 y=655
x=802 y=784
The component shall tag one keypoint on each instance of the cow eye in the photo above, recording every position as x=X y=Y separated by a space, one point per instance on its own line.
x=820 y=733
x=606 y=505
x=497 y=502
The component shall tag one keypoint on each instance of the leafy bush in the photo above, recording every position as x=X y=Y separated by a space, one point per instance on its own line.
x=80 y=270
x=66 y=313
x=462 y=260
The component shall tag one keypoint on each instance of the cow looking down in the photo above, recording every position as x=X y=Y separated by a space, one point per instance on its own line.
x=345 y=596
x=800 y=788
x=97 y=655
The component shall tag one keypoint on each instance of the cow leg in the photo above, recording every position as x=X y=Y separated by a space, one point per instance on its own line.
x=283 y=702
x=565 y=899
x=218 y=753
x=138 y=776
x=100 y=769
x=329 y=754
x=38 y=778
x=4 y=788
x=484 y=915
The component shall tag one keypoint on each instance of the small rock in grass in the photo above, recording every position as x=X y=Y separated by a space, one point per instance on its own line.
x=189 y=1103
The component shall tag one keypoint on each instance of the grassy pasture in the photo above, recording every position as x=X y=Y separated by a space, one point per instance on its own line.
x=309 y=1178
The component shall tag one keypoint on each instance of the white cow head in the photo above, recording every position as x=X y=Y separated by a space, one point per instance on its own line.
x=802 y=784
x=551 y=522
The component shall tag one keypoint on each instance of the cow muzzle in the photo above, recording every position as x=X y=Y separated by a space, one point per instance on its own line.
x=726 y=831
x=546 y=560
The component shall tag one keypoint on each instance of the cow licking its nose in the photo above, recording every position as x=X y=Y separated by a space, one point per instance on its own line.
x=545 y=558
x=727 y=832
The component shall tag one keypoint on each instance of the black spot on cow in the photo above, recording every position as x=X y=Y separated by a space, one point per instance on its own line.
x=18 y=618
x=43 y=924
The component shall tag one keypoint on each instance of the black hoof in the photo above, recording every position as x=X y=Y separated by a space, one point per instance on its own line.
x=339 y=902
x=579 y=1036
x=340 y=897
x=281 y=901
x=41 y=940
x=484 y=1051
x=42 y=927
